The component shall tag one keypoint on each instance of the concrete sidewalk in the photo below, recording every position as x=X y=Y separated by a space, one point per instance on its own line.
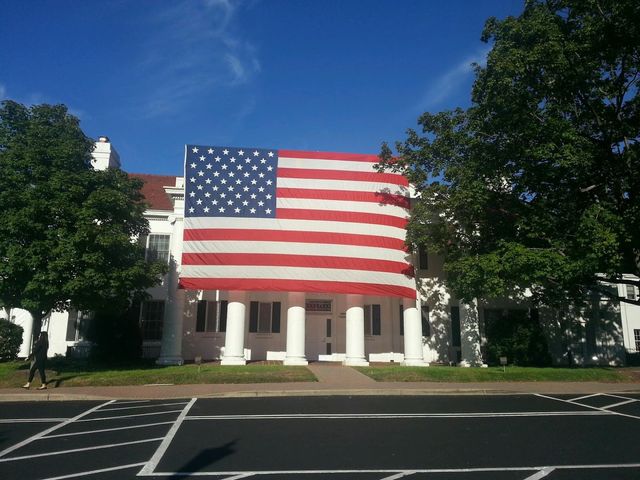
x=332 y=380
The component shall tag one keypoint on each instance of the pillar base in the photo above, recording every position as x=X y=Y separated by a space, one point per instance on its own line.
x=466 y=364
x=294 y=361
x=170 y=361
x=233 y=361
x=415 y=363
x=355 y=362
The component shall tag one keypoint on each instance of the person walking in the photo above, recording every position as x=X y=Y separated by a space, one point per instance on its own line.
x=38 y=359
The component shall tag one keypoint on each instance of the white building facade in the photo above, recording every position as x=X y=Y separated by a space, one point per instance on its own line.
x=235 y=327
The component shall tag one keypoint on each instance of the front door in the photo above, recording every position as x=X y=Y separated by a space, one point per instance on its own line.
x=328 y=336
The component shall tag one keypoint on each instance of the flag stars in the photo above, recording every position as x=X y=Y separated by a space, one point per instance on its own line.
x=194 y=149
x=247 y=190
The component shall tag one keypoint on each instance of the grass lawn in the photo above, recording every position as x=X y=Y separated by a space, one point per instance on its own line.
x=398 y=373
x=78 y=373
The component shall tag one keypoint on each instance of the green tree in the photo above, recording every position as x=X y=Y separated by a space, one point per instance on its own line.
x=537 y=184
x=66 y=230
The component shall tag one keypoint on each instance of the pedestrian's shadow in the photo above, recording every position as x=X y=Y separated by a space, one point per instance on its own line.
x=203 y=459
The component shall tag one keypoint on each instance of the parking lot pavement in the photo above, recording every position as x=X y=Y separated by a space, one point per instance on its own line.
x=446 y=437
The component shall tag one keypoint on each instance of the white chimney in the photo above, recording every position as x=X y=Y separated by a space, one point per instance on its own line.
x=104 y=155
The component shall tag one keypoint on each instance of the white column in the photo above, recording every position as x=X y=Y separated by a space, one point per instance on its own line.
x=25 y=320
x=470 y=334
x=413 y=351
x=296 y=330
x=234 y=339
x=355 y=332
x=171 y=346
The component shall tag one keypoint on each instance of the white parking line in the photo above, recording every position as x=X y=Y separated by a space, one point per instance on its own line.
x=369 y=416
x=619 y=404
x=104 y=430
x=142 y=406
x=93 y=472
x=75 y=450
x=541 y=474
x=128 y=416
x=573 y=402
x=33 y=420
x=51 y=429
x=583 y=397
x=538 y=469
x=151 y=465
x=398 y=475
x=131 y=401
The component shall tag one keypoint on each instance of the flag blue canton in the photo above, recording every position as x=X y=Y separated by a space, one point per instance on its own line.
x=230 y=182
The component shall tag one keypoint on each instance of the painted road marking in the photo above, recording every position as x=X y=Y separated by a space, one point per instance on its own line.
x=151 y=465
x=602 y=409
x=93 y=472
x=74 y=450
x=104 y=430
x=33 y=420
x=52 y=429
x=142 y=406
x=369 y=416
x=128 y=416
x=538 y=469
x=541 y=474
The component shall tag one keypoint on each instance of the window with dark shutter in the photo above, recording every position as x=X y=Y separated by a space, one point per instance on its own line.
x=253 y=316
x=426 y=325
x=275 y=317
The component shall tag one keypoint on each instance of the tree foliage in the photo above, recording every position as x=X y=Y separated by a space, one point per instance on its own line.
x=10 y=340
x=66 y=229
x=537 y=184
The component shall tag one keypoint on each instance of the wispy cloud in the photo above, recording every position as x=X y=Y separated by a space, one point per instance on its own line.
x=196 y=48
x=446 y=85
x=3 y=92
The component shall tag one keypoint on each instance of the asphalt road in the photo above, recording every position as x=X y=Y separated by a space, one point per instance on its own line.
x=415 y=437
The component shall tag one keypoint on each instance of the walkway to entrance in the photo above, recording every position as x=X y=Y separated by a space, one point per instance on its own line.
x=340 y=376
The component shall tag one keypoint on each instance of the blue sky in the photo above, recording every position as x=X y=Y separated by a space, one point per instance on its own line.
x=334 y=75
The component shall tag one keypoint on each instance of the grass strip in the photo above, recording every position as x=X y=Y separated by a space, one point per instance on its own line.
x=399 y=373
x=71 y=374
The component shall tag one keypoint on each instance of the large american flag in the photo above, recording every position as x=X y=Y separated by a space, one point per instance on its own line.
x=284 y=220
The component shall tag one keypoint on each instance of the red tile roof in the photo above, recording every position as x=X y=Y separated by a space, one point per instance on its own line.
x=153 y=190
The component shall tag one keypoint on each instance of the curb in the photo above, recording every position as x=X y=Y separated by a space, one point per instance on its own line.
x=69 y=396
